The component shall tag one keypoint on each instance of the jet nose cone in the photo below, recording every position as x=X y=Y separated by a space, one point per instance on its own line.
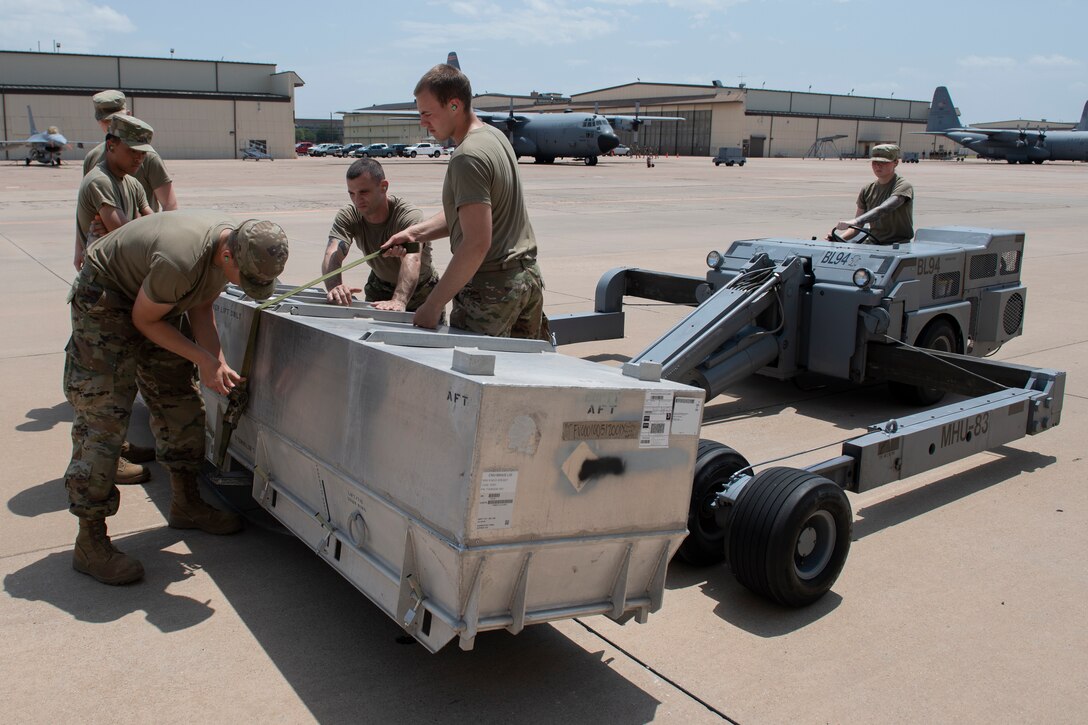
x=607 y=141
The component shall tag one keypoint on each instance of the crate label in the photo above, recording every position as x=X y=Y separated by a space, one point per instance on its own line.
x=656 y=420
x=495 y=506
x=687 y=416
x=599 y=430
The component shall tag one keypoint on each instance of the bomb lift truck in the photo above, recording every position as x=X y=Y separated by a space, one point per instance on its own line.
x=467 y=483
x=921 y=316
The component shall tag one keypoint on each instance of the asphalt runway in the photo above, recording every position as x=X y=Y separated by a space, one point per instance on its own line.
x=963 y=599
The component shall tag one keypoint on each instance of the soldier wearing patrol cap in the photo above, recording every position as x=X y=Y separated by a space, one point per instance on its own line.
x=141 y=311
x=109 y=191
x=152 y=174
x=886 y=205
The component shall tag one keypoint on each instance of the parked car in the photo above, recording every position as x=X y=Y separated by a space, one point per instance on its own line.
x=621 y=150
x=348 y=150
x=323 y=149
x=910 y=157
x=398 y=149
x=424 y=149
x=376 y=150
x=303 y=147
x=729 y=155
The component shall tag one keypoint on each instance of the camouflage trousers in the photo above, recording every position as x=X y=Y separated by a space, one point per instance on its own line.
x=378 y=290
x=107 y=360
x=503 y=303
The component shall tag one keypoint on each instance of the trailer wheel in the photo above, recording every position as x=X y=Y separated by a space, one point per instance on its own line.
x=789 y=535
x=938 y=335
x=714 y=465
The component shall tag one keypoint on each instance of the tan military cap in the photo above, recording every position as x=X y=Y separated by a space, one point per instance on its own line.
x=260 y=248
x=107 y=103
x=134 y=132
x=884 y=152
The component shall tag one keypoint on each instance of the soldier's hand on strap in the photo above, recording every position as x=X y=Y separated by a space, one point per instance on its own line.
x=341 y=294
x=394 y=246
x=218 y=376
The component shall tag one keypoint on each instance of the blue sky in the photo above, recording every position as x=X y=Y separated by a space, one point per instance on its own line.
x=1000 y=60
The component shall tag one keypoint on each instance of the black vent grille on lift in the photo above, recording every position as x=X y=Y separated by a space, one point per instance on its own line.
x=983 y=266
x=1013 y=315
x=946 y=284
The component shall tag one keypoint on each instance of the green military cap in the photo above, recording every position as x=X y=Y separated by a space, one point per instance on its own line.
x=260 y=248
x=884 y=152
x=134 y=132
x=107 y=103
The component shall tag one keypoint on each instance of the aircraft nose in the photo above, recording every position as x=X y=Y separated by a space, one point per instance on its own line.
x=607 y=141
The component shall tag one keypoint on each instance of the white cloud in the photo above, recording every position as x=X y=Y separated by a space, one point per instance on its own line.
x=77 y=25
x=1052 y=60
x=987 y=61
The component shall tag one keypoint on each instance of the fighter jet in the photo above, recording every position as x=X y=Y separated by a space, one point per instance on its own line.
x=45 y=146
x=550 y=136
x=1015 y=145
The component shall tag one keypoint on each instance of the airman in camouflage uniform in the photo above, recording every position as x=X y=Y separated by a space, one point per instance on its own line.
x=141 y=312
x=108 y=197
x=152 y=174
x=493 y=278
x=372 y=217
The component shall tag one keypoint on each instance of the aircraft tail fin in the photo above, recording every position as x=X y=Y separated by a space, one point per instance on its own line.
x=1083 y=125
x=942 y=114
x=30 y=117
x=451 y=59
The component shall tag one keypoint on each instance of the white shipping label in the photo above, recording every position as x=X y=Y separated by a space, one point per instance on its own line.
x=656 y=420
x=687 y=416
x=495 y=509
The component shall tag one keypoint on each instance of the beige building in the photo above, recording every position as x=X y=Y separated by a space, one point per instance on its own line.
x=762 y=122
x=199 y=109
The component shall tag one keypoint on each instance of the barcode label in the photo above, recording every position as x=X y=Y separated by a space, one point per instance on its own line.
x=495 y=502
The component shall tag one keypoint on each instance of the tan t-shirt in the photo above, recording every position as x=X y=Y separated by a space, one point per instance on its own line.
x=100 y=187
x=168 y=256
x=152 y=172
x=898 y=224
x=484 y=170
x=350 y=226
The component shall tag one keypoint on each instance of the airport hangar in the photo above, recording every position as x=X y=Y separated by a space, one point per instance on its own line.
x=200 y=109
x=204 y=109
x=765 y=123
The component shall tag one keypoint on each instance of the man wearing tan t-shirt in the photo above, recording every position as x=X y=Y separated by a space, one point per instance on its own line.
x=152 y=174
x=372 y=218
x=141 y=310
x=493 y=278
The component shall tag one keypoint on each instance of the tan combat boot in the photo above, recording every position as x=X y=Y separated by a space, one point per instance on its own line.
x=129 y=473
x=189 y=511
x=137 y=454
x=97 y=556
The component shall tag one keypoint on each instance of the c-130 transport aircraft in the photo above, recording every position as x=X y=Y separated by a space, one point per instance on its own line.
x=550 y=136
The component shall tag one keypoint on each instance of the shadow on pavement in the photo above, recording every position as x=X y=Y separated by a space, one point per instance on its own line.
x=43 y=419
x=44 y=498
x=53 y=580
x=743 y=609
x=918 y=501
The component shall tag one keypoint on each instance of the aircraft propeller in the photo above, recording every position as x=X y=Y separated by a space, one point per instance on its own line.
x=511 y=123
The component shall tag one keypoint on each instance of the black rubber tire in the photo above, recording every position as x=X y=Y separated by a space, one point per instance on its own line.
x=436 y=154
x=714 y=465
x=938 y=335
x=413 y=154
x=591 y=160
x=781 y=512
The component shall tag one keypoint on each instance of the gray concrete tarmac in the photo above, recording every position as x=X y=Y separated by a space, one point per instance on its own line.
x=963 y=599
